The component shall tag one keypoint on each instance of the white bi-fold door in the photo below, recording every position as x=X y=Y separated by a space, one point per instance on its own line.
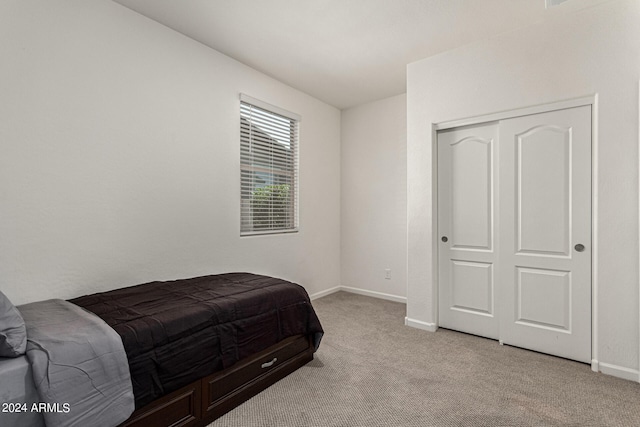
x=514 y=224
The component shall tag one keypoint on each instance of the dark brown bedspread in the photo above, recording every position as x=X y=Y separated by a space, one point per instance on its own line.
x=178 y=331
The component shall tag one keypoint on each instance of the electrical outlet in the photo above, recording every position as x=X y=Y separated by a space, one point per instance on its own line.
x=387 y=273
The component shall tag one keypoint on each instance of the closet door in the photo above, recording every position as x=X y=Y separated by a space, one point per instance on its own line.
x=467 y=217
x=514 y=231
x=545 y=232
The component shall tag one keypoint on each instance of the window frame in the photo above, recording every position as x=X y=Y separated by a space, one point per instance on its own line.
x=281 y=168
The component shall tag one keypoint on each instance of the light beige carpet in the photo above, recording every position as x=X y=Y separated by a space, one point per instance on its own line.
x=371 y=370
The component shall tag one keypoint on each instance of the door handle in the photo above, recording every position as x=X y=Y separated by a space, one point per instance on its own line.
x=445 y=239
x=579 y=247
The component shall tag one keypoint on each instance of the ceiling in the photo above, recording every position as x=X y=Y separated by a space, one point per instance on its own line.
x=344 y=52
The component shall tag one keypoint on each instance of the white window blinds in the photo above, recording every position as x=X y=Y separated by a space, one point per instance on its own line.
x=268 y=168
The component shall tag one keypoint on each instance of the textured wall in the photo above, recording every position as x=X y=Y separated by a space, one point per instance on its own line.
x=120 y=157
x=374 y=196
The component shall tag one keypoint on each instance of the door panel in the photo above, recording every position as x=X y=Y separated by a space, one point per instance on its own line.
x=543 y=298
x=472 y=287
x=543 y=170
x=545 y=284
x=467 y=215
x=471 y=191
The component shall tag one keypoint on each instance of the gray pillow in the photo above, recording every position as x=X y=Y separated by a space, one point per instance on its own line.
x=13 y=332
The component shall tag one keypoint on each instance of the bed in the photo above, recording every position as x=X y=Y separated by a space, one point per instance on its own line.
x=194 y=348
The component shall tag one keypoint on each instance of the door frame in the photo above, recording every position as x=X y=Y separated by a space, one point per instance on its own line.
x=591 y=100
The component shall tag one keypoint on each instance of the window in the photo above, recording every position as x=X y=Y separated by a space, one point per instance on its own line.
x=268 y=168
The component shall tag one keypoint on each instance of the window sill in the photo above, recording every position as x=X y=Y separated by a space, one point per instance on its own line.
x=267 y=232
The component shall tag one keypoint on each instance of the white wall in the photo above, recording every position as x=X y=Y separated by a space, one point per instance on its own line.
x=595 y=51
x=119 y=157
x=373 y=204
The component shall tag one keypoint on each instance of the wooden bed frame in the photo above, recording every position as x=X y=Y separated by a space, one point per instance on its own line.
x=202 y=401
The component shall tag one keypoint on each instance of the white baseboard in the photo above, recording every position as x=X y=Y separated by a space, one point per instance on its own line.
x=374 y=294
x=619 y=371
x=324 y=293
x=358 y=291
x=419 y=324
